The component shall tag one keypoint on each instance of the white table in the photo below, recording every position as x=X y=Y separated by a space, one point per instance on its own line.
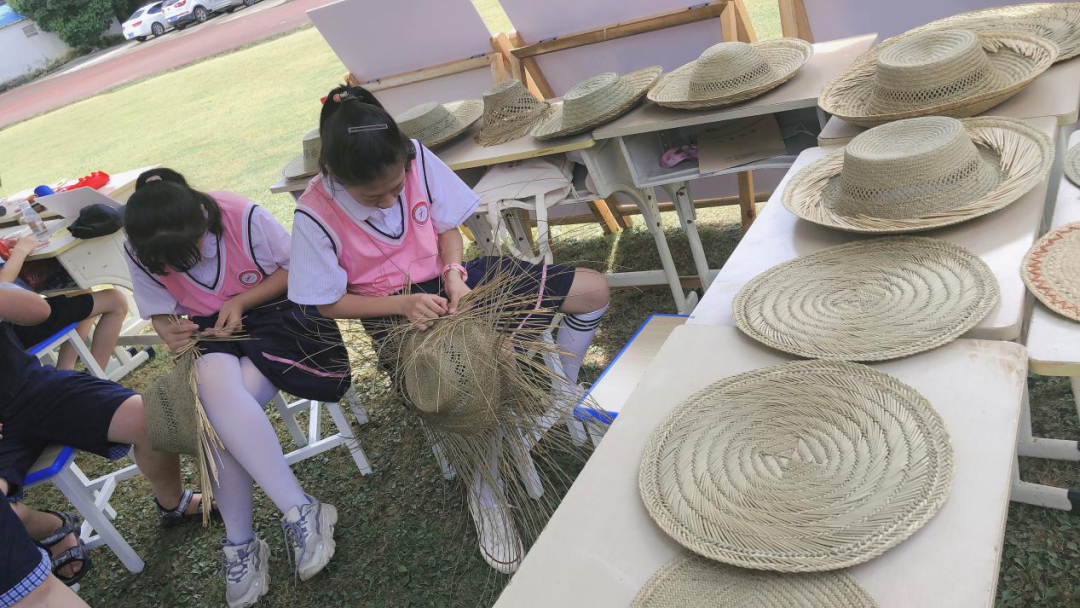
x=1001 y=239
x=601 y=546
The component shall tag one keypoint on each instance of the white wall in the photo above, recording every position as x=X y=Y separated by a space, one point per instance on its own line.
x=19 y=54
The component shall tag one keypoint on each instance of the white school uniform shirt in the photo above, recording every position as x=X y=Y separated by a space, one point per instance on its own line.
x=316 y=277
x=269 y=240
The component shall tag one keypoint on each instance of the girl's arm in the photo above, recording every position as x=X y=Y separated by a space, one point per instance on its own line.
x=232 y=312
x=176 y=331
x=451 y=250
x=416 y=307
x=22 y=307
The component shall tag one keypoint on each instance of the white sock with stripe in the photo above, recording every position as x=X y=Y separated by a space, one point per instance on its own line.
x=575 y=334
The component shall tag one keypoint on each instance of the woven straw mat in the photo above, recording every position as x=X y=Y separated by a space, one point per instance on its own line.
x=921 y=173
x=803 y=467
x=1051 y=270
x=1072 y=164
x=731 y=72
x=692 y=581
x=940 y=72
x=869 y=300
x=596 y=101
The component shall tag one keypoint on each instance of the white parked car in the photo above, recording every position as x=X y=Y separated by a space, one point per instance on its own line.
x=180 y=13
x=145 y=22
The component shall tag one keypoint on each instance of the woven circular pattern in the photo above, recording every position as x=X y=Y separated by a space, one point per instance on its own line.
x=731 y=72
x=596 y=101
x=920 y=174
x=695 y=581
x=510 y=112
x=803 y=467
x=434 y=123
x=1072 y=164
x=307 y=163
x=1051 y=270
x=869 y=300
x=172 y=418
x=955 y=73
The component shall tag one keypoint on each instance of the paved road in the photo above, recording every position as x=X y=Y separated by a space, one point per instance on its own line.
x=134 y=61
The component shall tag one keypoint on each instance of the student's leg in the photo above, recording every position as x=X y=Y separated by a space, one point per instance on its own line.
x=67 y=356
x=582 y=310
x=110 y=308
x=52 y=594
x=40 y=525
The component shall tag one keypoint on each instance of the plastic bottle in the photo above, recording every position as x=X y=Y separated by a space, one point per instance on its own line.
x=32 y=219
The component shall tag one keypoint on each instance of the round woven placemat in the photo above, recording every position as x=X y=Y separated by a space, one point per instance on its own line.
x=1072 y=164
x=868 y=300
x=803 y=467
x=1051 y=270
x=691 y=581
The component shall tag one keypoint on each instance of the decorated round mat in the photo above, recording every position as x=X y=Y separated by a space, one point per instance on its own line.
x=868 y=300
x=803 y=467
x=695 y=581
x=1072 y=164
x=1051 y=270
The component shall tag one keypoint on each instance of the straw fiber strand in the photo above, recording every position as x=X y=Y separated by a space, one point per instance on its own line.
x=803 y=467
x=1051 y=270
x=869 y=300
x=693 y=581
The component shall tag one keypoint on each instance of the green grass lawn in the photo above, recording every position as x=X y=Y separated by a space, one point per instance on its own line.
x=404 y=538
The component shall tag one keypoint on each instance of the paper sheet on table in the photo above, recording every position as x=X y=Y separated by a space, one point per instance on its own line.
x=738 y=143
x=69 y=204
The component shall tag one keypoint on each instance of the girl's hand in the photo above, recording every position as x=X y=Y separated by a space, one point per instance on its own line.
x=25 y=244
x=422 y=307
x=177 y=335
x=456 y=289
x=230 y=318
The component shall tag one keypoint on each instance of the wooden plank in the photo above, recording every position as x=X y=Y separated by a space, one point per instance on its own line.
x=729 y=29
x=535 y=79
x=498 y=68
x=620 y=219
x=746 y=199
x=693 y=14
x=429 y=73
x=793 y=20
x=602 y=215
x=744 y=27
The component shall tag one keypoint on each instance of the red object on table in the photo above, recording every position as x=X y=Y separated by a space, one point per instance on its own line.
x=5 y=252
x=95 y=180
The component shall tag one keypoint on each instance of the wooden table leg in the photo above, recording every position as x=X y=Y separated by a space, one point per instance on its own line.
x=746 y=199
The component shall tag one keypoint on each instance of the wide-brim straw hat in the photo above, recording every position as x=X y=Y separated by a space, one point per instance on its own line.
x=434 y=123
x=955 y=73
x=731 y=72
x=307 y=163
x=921 y=174
x=803 y=467
x=510 y=112
x=596 y=101
x=1051 y=270
x=694 y=581
x=1072 y=164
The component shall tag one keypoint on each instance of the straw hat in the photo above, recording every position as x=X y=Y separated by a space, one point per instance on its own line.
x=595 y=101
x=730 y=72
x=1072 y=164
x=510 y=111
x=692 y=580
x=803 y=467
x=920 y=174
x=868 y=300
x=434 y=123
x=1051 y=270
x=307 y=163
x=940 y=72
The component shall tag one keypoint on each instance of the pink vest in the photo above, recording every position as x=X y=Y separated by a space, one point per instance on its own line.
x=378 y=264
x=238 y=272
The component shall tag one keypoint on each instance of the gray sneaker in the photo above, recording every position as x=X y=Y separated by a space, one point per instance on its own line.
x=247 y=572
x=309 y=536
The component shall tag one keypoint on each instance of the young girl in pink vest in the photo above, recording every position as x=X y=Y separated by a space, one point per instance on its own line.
x=222 y=262
x=375 y=235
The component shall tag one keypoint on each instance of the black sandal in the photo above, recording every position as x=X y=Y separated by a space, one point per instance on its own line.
x=69 y=524
x=171 y=518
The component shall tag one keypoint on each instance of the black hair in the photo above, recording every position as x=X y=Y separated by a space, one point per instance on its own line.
x=358 y=157
x=165 y=219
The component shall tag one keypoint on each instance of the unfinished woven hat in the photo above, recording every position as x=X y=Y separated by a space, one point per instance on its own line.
x=939 y=72
x=510 y=112
x=434 y=123
x=307 y=163
x=920 y=174
x=868 y=300
x=596 y=101
x=1051 y=270
x=693 y=581
x=452 y=378
x=1058 y=22
x=731 y=72
x=1072 y=164
x=802 y=467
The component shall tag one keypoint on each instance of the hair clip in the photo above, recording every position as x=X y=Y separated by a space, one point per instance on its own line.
x=340 y=97
x=153 y=178
x=365 y=128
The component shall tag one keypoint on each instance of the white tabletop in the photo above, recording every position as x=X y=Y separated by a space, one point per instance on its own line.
x=829 y=59
x=1055 y=93
x=1001 y=239
x=1053 y=340
x=601 y=546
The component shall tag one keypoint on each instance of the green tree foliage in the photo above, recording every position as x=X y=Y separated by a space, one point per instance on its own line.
x=76 y=22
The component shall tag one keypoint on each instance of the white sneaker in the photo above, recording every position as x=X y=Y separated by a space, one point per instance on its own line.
x=500 y=544
x=247 y=572
x=309 y=535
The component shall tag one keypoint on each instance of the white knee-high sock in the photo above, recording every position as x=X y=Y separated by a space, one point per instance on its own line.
x=575 y=334
x=247 y=434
